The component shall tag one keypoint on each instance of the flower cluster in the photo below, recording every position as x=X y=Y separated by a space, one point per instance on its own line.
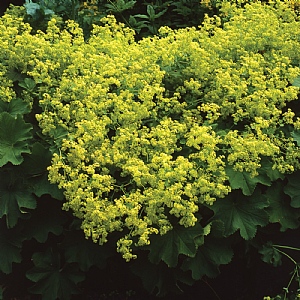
x=151 y=126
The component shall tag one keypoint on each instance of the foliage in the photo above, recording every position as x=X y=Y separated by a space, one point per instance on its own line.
x=170 y=150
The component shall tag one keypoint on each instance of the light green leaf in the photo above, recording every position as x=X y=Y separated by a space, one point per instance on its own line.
x=14 y=137
x=15 y=198
x=280 y=210
x=53 y=281
x=243 y=180
x=241 y=213
x=296 y=82
x=296 y=136
x=293 y=189
x=179 y=240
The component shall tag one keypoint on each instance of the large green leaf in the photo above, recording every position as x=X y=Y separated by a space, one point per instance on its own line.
x=53 y=281
x=242 y=213
x=280 y=210
x=179 y=240
x=14 y=137
x=10 y=248
x=243 y=180
x=293 y=189
x=84 y=252
x=15 y=198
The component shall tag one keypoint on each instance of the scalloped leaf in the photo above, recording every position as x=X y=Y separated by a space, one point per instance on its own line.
x=293 y=189
x=53 y=281
x=238 y=212
x=46 y=218
x=15 y=198
x=214 y=252
x=179 y=240
x=14 y=137
x=280 y=210
x=243 y=180
x=15 y=107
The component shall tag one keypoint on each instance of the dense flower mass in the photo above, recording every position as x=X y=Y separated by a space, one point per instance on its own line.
x=145 y=130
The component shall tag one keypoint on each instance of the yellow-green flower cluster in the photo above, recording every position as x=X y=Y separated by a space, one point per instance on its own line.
x=151 y=126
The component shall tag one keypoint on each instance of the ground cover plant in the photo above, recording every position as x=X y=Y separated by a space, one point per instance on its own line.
x=165 y=154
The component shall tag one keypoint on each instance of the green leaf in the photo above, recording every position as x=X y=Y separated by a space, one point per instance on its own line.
x=270 y=255
x=280 y=210
x=53 y=281
x=296 y=136
x=160 y=279
x=14 y=137
x=15 y=107
x=296 y=82
x=214 y=252
x=10 y=249
x=293 y=189
x=15 y=198
x=28 y=84
x=267 y=169
x=238 y=212
x=84 y=252
x=46 y=218
x=179 y=240
x=35 y=165
x=243 y=180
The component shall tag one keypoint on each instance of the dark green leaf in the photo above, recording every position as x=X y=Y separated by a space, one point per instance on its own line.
x=15 y=107
x=293 y=189
x=10 y=248
x=270 y=255
x=53 y=281
x=214 y=252
x=14 y=137
x=280 y=210
x=15 y=198
x=35 y=165
x=46 y=218
x=84 y=252
x=241 y=213
x=243 y=180
x=160 y=279
x=179 y=240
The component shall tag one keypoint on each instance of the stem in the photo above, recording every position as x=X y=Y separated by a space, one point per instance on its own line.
x=211 y=288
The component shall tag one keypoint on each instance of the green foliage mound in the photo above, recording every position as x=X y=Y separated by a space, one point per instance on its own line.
x=171 y=145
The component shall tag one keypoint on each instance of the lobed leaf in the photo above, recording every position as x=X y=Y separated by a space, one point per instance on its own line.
x=241 y=213
x=179 y=240
x=14 y=137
